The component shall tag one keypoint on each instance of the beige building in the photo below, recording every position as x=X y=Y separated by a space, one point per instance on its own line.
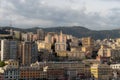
x=50 y=37
x=87 y=46
x=43 y=45
x=60 y=44
x=76 y=55
x=105 y=51
x=58 y=39
x=75 y=48
x=118 y=41
x=101 y=71
x=12 y=63
x=87 y=41
x=72 y=69
x=91 y=61
x=62 y=53
x=113 y=54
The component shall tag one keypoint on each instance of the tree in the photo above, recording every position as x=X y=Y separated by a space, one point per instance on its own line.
x=2 y=63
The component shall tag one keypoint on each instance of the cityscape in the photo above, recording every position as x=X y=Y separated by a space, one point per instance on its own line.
x=59 y=40
x=57 y=56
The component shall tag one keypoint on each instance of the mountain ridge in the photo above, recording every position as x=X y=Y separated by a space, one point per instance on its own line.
x=77 y=31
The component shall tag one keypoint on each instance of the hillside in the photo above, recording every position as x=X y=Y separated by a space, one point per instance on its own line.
x=3 y=32
x=84 y=32
x=76 y=31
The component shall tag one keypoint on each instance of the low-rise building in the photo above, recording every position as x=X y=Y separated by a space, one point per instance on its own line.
x=62 y=53
x=31 y=73
x=101 y=71
x=76 y=55
x=12 y=63
x=70 y=69
x=55 y=73
x=116 y=70
x=115 y=66
x=11 y=74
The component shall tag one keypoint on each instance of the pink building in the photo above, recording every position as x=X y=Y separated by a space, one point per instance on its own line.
x=61 y=42
x=59 y=39
x=50 y=37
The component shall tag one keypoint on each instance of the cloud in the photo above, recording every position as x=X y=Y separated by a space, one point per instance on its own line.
x=30 y=13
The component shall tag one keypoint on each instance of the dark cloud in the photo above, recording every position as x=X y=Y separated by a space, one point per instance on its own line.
x=36 y=12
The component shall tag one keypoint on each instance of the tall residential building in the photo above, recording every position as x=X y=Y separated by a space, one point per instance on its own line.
x=13 y=46
x=28 y=36
x=4 y=50
x=61 y=40
x=87 y=46
x=8 y=50
x=41 y=34
x=27 y=53
x=49 y=38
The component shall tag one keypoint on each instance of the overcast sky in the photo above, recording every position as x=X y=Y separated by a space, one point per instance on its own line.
x=93 y=14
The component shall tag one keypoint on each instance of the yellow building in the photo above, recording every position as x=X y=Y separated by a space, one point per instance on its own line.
x=101 y=71
x=62 y=53
x=48 y=46
x=41 y=45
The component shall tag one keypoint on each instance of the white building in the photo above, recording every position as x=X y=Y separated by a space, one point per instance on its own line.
x=11 y=73
x=4 y=49
x=115 y=66
x=8 y=50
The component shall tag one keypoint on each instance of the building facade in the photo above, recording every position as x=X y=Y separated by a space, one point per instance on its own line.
x=27 y=53
x=41 y=34
x=8 y=49
x=101 y=71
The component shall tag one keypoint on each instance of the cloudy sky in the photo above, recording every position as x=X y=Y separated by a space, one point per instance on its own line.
x=93 y=14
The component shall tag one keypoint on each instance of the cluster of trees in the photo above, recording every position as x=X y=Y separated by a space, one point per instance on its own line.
x=2 y=63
